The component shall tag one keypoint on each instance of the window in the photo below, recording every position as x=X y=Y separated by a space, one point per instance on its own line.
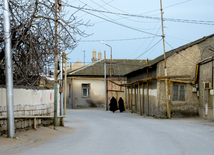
x=85 y=90
x=178 y=92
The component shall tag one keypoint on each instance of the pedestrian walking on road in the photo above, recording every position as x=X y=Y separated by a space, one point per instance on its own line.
x=121 y=105
x=113 y=105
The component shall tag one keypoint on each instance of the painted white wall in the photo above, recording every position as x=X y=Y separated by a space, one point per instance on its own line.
x=28 y=99
x=97 y=93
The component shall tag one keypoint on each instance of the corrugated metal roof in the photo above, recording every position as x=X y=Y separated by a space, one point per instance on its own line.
x=120 y=67
x=170 y=53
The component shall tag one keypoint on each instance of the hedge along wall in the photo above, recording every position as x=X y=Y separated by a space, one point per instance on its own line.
x=28 y=102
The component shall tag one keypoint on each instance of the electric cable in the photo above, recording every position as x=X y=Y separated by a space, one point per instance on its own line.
x=149 y=49
x=82 y=9
x=149 y=17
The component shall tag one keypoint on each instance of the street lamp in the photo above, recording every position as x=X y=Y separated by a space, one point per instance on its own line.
x=111 y=55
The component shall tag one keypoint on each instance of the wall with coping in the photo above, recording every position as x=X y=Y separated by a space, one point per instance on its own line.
x=28 y=102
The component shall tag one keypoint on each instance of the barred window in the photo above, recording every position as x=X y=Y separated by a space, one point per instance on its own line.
x=85 y=90
x=178 y=92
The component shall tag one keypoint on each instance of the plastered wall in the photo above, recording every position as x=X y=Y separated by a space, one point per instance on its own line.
x=28 y=102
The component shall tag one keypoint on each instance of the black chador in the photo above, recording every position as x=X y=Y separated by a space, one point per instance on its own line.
x=121 y=105
x=113 y=104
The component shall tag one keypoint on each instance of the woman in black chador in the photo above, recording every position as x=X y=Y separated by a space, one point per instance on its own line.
x=113 y=104
x=121 y=105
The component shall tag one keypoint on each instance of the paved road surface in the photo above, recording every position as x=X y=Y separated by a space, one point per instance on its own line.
x=97 y=132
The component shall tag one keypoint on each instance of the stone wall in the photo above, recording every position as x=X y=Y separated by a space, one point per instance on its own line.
x=28 y=102
x=183 y=63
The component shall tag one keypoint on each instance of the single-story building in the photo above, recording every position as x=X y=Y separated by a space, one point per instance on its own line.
x=147 y=86
x=86 y=85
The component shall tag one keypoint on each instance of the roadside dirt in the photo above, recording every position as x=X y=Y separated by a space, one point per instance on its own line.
x=31 y=137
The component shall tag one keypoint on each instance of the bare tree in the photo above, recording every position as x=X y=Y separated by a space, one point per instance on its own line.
x=32 y=34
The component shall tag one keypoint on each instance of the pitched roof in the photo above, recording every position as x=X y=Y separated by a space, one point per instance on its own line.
x=120 y=67
x=170 y=53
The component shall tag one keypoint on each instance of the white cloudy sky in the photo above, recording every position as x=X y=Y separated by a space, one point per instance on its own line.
x=132 y=42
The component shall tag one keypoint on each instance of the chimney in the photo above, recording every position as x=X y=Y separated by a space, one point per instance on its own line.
x=99 y=55
x=94 y=56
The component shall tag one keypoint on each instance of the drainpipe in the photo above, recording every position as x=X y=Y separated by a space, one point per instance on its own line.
x=128 y=98
x=135 y=99
x=169 y=98
x=139 y=98
x=142 y=98
x=131 y=99
x=125 y=97
x=147 y=88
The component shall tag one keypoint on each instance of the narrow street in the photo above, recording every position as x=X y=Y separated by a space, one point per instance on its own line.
x=97 y=132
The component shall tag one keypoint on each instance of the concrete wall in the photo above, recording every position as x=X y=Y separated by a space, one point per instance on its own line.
x=28 y=102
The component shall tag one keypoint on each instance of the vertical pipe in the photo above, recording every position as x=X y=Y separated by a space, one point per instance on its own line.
x=135 y=99
x=56 y=67
x=107 y=95
x=111 y=61
x=125 y=94
x=142 y=99
x=116 y=95
x=131 y=99
x=163 y=36
x=73 y=101
x=139 y=98
x=9 y=72
x=128 y=98
x=65 y=82
x=105 y=80
x=147 y=88
x=147 y=97
x=169 y=99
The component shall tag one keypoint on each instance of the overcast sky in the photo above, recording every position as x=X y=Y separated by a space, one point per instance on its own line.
x=139 y=37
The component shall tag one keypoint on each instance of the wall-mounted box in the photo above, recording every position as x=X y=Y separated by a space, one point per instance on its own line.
x=212 y=92
x=194 y=90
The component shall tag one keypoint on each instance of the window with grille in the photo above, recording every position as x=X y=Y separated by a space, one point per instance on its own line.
x=85 y=90
x=178 y=92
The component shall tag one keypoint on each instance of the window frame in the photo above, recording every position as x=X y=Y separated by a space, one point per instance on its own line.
x=87 y=90
x=179 y=97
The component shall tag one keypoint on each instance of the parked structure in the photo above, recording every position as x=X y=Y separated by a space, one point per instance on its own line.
x=146 y=86
x=86 y=85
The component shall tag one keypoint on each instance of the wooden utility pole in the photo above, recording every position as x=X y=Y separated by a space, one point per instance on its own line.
x=55 y=69
x=163 y=36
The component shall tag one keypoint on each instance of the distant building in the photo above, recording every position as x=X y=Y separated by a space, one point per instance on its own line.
x=76 y=65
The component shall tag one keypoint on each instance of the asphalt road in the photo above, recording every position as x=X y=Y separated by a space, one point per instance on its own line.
x=99 y=132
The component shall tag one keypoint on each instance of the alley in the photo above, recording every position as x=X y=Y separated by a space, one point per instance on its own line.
x=99 y=132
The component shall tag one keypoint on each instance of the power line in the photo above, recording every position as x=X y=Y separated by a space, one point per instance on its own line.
x=116 y=39
x=81 y=9
x=149 y=49
x=148 y=17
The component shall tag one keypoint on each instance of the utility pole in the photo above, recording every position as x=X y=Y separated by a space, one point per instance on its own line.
x=163 y=36
x=61 y=66
x=9 y=72
x=105 y=81
x=55 y=69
